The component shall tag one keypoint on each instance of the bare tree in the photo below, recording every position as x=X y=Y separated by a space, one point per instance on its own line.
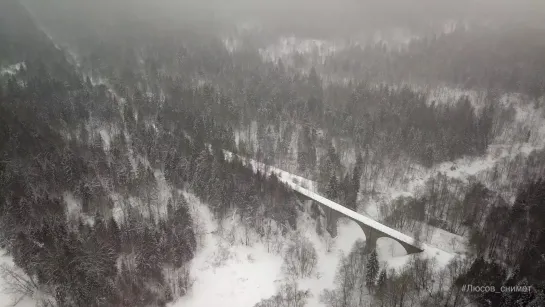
x=300 y=258
x=16 y=283
x=330 y=298
x=422 y=275
x=289 y=295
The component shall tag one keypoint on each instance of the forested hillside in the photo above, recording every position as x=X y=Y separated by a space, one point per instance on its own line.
x=483 y=57
x=116 y=188
x=83 y=210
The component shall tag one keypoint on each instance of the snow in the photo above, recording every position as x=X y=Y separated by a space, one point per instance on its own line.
x=282 y=175
x=164 y=196
x=132 y=160
x=447 y=95
x=527 y=118
x=159 y=205
x=117 y=211
x=286 y=46
x=390 y=252
x=105 y=138
x=228 y=274
x=354 y=215
x=395 y=248
x=7 y=298
x=397 y=262
x=249 y=136
x=74 y=210
x=233 y=274
x=106 y=132
x=463 y=168
x=439 y=244
x=290 y=180
x=447 y=241
x=348 y=233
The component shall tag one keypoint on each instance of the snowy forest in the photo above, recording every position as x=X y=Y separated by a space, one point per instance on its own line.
x=149 y=150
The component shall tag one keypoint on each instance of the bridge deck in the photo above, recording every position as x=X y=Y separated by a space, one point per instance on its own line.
x=356 y=216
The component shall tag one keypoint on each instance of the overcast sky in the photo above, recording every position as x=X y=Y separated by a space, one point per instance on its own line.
x=320 y=14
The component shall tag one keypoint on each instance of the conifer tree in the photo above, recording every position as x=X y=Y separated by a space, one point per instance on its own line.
x=372 y=269
x=332 y=189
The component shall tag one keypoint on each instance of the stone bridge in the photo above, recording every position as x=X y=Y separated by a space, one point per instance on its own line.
x=372 y=229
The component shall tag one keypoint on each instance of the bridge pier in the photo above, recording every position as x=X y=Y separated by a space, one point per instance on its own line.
x=331 y=218
x=371 y=237
x=330 y=215
x=304 y=203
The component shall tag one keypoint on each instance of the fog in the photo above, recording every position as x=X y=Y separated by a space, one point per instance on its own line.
x=319 y=16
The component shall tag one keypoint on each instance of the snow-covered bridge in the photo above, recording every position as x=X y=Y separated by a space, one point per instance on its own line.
x=372 y=229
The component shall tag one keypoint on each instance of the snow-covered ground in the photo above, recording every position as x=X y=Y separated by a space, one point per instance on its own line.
x=8 y=298
x=446 y=244
x=440 y=237
x=462 y=169
x=307 y=186
x=228 y=272
x=526 y=119
x=390 y=252
x=74 y=209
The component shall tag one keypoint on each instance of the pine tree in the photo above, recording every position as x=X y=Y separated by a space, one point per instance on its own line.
x=381 y=283
x=100 y=230
x=347 y=192
x=306 y=150
x=358 y=169
x=115 y=234
x=372 y=269
x=332 y=189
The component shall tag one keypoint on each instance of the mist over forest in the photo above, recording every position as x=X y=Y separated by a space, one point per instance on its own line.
x=260 y=153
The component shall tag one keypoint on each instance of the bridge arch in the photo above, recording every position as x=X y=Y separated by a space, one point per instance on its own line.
x=372 y=229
